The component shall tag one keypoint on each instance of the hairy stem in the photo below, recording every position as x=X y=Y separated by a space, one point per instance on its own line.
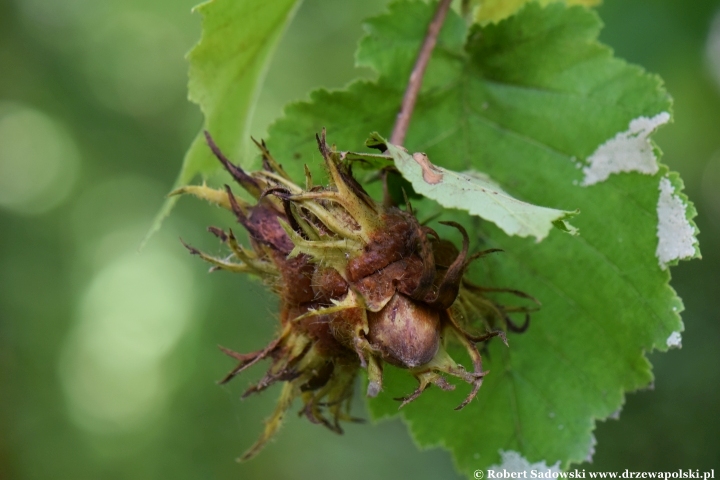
x=416 y=76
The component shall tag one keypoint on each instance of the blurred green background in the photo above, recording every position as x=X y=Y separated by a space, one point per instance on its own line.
x=108 y=356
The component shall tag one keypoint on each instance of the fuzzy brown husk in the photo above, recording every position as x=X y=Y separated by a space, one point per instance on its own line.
x=360 y=284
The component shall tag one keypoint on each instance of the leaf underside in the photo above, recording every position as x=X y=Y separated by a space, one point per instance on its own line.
x=525 y=101
x=479 y=195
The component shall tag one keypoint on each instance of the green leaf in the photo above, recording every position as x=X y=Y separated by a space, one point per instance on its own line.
x=488 y=11
x=227 y=67
x=530 y=101
x=479 y=195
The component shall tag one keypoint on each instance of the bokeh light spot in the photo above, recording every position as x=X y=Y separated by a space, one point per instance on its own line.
x=712 y=48
x=47 y=13
x=711 y=188
x=132 y=63
x=131 y=316
x=38 y=160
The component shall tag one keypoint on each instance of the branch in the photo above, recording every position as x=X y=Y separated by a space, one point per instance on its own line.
x=416 y=76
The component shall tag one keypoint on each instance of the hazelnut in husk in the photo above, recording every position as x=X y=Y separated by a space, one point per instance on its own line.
x=360 y=284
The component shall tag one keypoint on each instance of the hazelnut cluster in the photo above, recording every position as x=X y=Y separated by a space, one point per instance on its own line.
x=360 y=284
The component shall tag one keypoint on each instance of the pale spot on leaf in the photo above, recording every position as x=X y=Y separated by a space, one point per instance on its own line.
x=514 y=462
x=629 y=151
x=430 y=173
x=676 y=236
x=674 y=340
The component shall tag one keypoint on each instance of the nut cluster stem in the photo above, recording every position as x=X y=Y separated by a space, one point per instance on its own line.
x=402 y=121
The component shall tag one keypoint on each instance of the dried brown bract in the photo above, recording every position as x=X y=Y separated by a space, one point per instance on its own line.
x=360 y=284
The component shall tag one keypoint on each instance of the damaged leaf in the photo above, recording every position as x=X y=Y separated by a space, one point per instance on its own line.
x=479 y=195
x=526 y=101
